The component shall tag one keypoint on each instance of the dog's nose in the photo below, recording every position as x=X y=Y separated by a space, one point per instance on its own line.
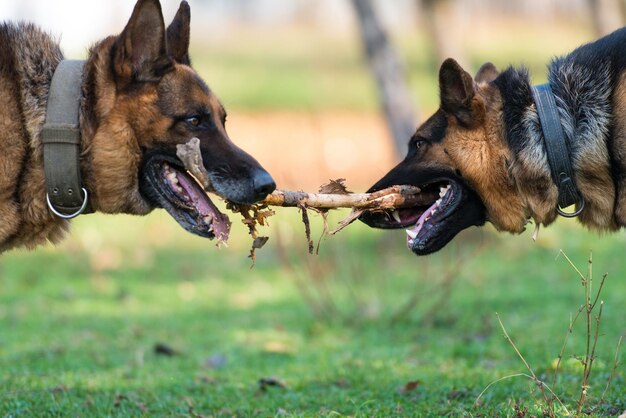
x=263 y=184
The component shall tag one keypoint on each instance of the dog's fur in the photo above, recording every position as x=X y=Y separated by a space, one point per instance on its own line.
x=140 y=97
x=486 y=135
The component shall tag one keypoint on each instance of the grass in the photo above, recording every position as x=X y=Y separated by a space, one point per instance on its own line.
x=79 y=324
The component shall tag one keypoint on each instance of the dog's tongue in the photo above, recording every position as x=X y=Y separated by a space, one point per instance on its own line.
x=204 y=206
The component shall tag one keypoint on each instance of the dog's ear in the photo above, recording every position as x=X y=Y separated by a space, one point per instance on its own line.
x=178 y=34
x=486 y=73
x=456 y=90
x=140 y=50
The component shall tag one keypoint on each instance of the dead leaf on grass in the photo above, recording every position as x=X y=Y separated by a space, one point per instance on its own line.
x=164 y=350
x=266 y=382
x=410 y=386
x=118 y=399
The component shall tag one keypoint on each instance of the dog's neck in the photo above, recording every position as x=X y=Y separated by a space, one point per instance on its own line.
x=107 y=176
x=583 y=99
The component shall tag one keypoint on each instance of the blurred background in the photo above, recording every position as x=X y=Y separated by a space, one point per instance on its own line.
x=295 y=77
x=315 y=90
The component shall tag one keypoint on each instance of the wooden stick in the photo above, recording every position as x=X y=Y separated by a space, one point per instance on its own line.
x=390 y=198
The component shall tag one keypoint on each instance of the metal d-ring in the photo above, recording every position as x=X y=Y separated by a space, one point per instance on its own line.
x=72 y=215
x=573 y=214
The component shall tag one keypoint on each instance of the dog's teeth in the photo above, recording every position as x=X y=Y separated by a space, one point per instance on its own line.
x=438 y=202
x=411 y=234
x=396 y=216
x=208 y=219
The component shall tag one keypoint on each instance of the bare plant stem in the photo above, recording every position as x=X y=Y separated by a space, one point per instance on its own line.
x=539 y=383
x=592 y=334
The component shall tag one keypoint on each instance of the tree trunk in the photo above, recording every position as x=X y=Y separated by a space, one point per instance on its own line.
x=437 y=16
x=388 y=71
x=606 y=15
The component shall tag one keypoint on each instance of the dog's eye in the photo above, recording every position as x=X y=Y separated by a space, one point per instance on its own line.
x=419 y=143
x=194 y=121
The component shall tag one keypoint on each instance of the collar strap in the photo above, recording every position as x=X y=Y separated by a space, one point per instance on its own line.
x=66 y=196
x=557 y=148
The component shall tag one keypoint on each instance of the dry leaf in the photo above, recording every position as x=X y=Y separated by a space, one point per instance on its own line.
x=118 y=399
x=266 y=382
x=164 y=350
x=335 y=187
x=259 y=242
x=410 y=386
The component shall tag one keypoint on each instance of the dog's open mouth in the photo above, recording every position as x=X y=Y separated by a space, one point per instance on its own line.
x=184 y=199
x=452 y=207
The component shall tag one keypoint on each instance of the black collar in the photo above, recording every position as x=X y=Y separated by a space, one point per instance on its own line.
x=557 y=148
x=66 y=196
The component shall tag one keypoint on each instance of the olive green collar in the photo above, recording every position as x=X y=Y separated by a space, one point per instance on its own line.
x=66 y=196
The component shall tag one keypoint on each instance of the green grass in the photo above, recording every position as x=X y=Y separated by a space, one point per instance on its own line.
x=78 y=323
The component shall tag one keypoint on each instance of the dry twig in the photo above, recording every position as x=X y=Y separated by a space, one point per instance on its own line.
x=390 y=198
x=539 y=383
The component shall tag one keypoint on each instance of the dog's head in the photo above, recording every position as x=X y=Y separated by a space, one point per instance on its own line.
x=459 y=158
x=142 y=99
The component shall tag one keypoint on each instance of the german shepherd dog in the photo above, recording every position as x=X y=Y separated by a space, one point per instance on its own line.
x=140 y=98
x=481 y=156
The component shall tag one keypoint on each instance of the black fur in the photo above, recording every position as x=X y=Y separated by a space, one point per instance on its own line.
x=514 y=86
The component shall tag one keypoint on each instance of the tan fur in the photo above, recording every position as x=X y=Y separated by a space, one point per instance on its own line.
x=619 y=148
x=481 y=156
x=13 y=151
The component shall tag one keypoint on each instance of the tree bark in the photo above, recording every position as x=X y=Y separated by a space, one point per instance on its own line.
x=388 y=71
x=606 y=15
x=436 y=17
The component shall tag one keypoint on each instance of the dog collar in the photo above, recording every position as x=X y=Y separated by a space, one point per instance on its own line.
x=558 y=151
x=65 y=194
